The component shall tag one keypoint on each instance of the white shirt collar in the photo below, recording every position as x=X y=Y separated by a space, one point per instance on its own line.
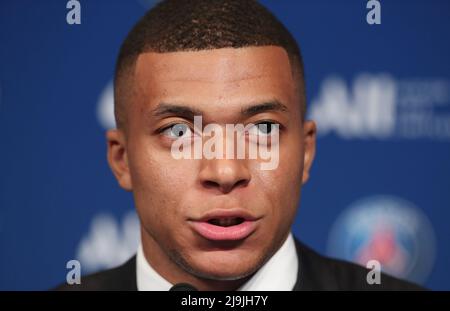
x=279 y=273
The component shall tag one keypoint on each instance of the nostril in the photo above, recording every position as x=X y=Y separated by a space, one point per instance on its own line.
x=210 y=184
x=224 y=187
x=241 y=183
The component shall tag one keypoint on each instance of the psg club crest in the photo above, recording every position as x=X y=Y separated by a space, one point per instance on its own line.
x=388 y=229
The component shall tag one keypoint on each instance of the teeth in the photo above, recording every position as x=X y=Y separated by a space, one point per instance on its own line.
x=226 y=222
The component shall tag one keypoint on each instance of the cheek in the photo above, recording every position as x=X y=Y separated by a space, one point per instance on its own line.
x=282 y=188
x=282 y=185
x=159 y=184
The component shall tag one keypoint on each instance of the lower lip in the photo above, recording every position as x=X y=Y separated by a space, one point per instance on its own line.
x=218 y=233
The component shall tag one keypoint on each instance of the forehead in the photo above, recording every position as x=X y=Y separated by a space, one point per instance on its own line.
x=229 y=75
x=225 y=65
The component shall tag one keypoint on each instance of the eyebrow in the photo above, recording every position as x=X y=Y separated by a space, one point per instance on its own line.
x=188 y=112
x=264 y=107
x=178 y=110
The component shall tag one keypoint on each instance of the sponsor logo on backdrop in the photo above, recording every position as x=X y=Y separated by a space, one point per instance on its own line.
x=379 y=106
x=389 y=230
x=109 y=242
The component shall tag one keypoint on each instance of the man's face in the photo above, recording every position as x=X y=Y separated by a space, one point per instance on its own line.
x=171 y=194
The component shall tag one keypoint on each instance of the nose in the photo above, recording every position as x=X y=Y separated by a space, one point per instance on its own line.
x=224 y=175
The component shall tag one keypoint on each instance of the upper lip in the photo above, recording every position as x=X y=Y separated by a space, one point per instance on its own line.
x=227 y=213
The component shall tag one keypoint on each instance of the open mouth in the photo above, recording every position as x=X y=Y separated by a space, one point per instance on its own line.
x=225 y=225
x=226 y=221
x=224 y=228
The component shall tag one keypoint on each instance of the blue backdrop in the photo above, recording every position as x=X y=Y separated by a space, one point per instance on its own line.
x=380 y=185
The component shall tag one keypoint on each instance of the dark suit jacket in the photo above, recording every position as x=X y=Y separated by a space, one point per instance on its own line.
x=316 y=272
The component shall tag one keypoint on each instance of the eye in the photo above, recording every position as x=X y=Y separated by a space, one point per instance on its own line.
x=177 y=130
x=263 y=128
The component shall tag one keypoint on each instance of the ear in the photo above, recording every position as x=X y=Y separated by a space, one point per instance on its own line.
x=118 y=158
x=309 y=145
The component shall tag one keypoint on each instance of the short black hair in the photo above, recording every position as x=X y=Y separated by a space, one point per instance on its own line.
x=193 y=25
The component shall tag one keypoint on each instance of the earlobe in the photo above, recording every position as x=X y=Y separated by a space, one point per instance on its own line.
x=118 y=158
x=309 y=141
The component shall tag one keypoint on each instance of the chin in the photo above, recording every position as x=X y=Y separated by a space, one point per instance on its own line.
x=221 y=267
